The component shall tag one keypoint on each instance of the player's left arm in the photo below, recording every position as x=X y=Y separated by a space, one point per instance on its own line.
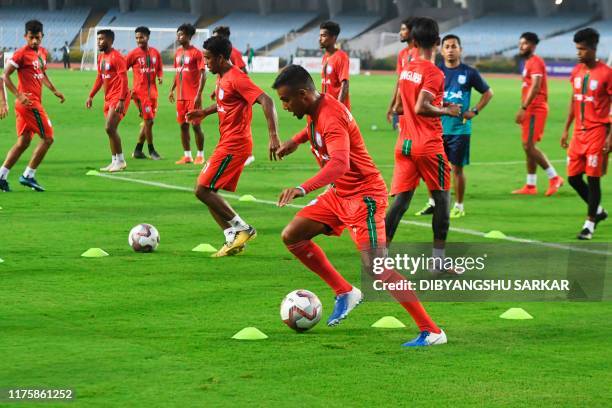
x=536 y=85
x=269 y=110
x=3 y=104
x=159 y=69
x=47 y=81
x=486 y=94
x=198 y=99
x=424 y=106
x=201 y=114
x=608 y=142
x=125 y=90
x=344 y=81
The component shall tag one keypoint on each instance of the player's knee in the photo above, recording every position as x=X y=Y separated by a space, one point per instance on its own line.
x=575 y=181
x=458 y=170
x=202 y=193
x=290 y=235
x=47 y=141
x=110 y=129
x=24 y=141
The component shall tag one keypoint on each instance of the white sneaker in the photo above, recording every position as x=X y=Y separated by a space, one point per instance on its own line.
x=107 y=168
x=116 y=167
x=425 y=339
x=249 y=160
x=345 y=303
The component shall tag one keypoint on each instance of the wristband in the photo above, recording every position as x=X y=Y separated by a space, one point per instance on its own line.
x=302 y=190
x=523 y=107
x=475 y=110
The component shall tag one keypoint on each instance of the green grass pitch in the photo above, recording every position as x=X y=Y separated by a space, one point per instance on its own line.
x=154 y=329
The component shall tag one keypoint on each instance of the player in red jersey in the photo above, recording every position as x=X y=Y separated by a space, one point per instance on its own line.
x=590 y=112
x=356 y=199
x=236 y=56
x=532 y=117
x=112 y=73
x=237 y=61
x=419 y=152
x=188 y=82
x=335 y=64
x=235 y=94
x=3 y=104
x=30 y=62
x=146 y=64
x=406 y=55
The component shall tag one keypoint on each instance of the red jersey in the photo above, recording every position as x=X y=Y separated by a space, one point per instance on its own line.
x=147 y=67
x=236 y=58
x=189 y=64
x=235 y=94
x=335 y=70
x=592 y=90
x=31 y=65
x=332 y=132
x=112 y=73
x=535 y=67
x=420 y=135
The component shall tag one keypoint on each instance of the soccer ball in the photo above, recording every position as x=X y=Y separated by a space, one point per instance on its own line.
x=144 y=238
x=301 y=310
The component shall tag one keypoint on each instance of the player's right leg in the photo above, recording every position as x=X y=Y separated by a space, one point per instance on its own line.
x=199 y=140
x=28 y=177
x=457 y=148
x=13 y=155
x=405 y=181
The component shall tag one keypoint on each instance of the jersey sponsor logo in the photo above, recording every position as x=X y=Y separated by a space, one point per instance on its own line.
x=106 y=76
x=453 y=95
x=585 y=98
x=411 y=76
x=220 y=109
x=593 y=84
x=462 y=79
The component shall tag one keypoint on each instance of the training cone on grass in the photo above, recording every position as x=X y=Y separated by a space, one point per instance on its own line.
x=495 y=234
x=94 y=253
x=204 y=248
x=92 y=173
x=1 y=260
x=388 y=322
x=250 y=333
x=247 y=197
x=516 y=313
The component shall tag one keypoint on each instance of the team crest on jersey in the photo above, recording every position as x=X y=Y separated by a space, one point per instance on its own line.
x=154 y=60
x=319 y=139
x=221 y=93
x=329 y=69
x=107 y=66
x=461 y=79
x=593 y=84
x=187 y=60
x=577 y=82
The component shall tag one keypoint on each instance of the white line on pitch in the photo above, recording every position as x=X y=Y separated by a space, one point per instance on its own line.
x=298 y=167
x=466 y=231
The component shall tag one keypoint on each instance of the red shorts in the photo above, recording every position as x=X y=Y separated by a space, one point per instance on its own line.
x=112 y=104
x=434 y=169
x=533 y=126
x=223 y=170
x=585 y=153
x=33 y=119
x=364 y=217
x=146 y=106
x=182 y=107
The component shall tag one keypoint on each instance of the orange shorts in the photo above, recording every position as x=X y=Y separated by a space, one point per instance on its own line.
x=364 y=217
x=33 y=119
x=147 y=107
x=223 y=170
x=182 y=107
x=585 y=153
x=532 y=128
x=434 y=169
x=112 y=104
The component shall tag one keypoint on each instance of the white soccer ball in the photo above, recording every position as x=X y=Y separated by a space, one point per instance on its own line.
x=144 y=238
x=301 y=310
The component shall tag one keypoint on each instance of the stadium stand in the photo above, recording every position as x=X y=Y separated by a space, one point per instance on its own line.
x=351 y=25
x=562 y=46
x=165 y=18
x=59 y=26
x=494 y=34
x=259 y=31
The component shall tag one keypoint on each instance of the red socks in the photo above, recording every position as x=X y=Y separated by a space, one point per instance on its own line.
x=311 y=255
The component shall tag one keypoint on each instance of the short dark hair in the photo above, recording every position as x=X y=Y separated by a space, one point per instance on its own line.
x=588 y=36
x=218 y=45
x=107 y=33
x=187 y=28
x=332 y=27
x=294 y=76
x=34 y=27
x=223 y=31
x=425 y=32
x=409 y=22
x=451 y=37
x=143 y=30
x=531 y=37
